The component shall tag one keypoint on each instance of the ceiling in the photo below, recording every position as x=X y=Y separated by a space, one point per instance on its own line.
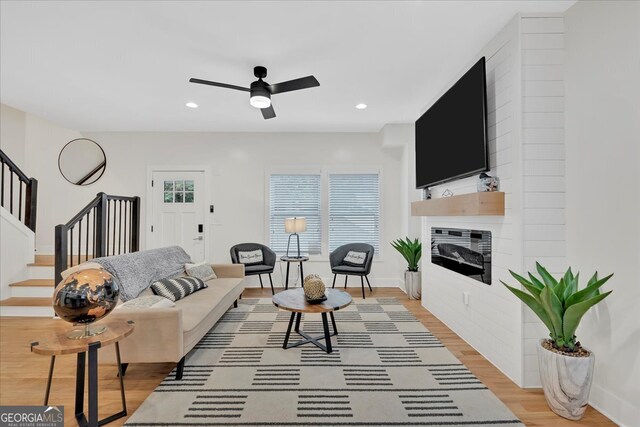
x=125 y=66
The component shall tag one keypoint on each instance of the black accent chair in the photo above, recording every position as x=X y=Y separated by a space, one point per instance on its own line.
x=336 y=259
x=268 y=261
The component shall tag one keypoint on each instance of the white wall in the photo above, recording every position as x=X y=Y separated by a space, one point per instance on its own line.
x=16 y=251
x=12 y=128
x=238 y=162
x=603 y=190
x=492 y=322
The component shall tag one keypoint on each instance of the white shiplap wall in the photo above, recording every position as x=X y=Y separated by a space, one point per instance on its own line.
x=492 y=322
x=543 y=163
x=525 y=91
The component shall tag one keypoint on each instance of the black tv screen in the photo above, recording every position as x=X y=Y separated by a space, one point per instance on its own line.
x=451 y=137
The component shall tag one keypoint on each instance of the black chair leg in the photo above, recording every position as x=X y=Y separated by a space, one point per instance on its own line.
x=362 y=284
x=180 y=369
x=235 y=304
x=345 y=281
x=334 y=280
x=273 y=292
x=260 y=277
x=124 y=368
x=367 y=279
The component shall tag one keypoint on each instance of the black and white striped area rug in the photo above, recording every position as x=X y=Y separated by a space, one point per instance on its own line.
x=386 y=369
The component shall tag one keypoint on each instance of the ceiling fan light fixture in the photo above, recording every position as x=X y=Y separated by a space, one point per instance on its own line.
x=260 y=101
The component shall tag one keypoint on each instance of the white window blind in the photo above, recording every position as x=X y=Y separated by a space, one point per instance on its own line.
x=354 y=209
x=295 y=196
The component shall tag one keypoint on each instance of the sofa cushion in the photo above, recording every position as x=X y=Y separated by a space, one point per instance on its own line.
x=149 y=301
x=250 y=257
x=176 y=289
x=200 y=312
x=201 y=270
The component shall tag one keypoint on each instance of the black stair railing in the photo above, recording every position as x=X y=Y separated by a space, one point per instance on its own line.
x=18 y=192
x=108 y=225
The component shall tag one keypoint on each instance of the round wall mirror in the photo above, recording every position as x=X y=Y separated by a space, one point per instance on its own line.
x=82 y=161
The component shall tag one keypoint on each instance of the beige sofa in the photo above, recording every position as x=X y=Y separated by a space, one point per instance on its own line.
x=167 y=334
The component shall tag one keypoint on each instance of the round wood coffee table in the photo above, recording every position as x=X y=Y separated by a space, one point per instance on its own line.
x=294 y=301
x=56 y=343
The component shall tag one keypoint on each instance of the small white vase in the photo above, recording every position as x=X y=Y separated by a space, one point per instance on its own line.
x=413 y=284
x=566 y=381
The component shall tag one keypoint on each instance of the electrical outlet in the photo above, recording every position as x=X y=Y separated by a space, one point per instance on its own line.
x=465 y=298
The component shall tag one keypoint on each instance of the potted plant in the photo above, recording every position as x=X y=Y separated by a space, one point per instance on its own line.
x=411 y=250
x=566 y=368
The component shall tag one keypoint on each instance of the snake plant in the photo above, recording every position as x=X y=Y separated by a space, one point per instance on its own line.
x=559 y=303
x=411 y=250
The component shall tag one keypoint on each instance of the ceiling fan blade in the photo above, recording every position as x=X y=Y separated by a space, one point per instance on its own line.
x=207 y=82
x=297 y=84
x=268 y=113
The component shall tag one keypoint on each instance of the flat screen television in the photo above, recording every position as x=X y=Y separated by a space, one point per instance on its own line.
x=451 y=137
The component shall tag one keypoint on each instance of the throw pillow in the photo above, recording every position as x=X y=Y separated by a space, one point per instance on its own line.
x=175 y=289
x=355 y=259
x=150 y=301
x=201 y=270
x=250 y=257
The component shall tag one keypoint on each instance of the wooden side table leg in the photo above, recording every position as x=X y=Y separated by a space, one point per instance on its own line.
x=93 y=385
x=327 y=336
x=46 y=394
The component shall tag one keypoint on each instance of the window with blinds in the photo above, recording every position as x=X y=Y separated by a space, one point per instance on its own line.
x=295 y=196
x=354 y=209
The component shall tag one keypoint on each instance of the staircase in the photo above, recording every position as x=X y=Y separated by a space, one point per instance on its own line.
x=108 y=225
x=32 y=297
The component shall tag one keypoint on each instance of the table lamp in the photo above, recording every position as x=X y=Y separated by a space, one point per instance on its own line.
x=293 y=226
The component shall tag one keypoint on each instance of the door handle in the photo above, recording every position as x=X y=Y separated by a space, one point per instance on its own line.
x=198 y=238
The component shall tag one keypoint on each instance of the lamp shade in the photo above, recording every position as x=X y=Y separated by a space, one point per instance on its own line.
x=295 y=225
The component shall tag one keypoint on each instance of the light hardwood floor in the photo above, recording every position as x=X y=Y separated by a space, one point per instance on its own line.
x=23 y=374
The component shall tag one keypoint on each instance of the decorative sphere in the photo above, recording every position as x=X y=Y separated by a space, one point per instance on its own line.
x=313 y=287
x=86 y=296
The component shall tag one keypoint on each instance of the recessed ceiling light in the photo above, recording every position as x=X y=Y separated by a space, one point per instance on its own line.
x=361 y=106
x=191 y=105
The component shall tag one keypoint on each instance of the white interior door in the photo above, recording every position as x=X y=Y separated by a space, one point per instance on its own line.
x=178 y=212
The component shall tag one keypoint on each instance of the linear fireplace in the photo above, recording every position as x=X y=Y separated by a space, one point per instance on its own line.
x=466 y=252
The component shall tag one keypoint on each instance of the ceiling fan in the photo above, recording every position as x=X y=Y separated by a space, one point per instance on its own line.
x=260 y=91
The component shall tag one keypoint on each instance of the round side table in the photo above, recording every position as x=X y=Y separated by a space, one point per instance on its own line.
x=289 y=260
x=57 y=344
x=294 y=301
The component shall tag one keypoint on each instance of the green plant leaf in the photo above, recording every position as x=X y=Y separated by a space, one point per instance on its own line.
x=546 y=277
x=535 y=306
x=586 y=293
x=593 y=279
x=536 y=281
x=533 y=290
x=553 y=308
x=574 y=314
x=571 y=288
x=559 y=290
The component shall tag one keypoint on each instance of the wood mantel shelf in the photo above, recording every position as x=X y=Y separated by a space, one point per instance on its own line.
x=471 y=204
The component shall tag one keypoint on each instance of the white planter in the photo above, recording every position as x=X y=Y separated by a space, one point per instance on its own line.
x=413 y=284
x=566 y=381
